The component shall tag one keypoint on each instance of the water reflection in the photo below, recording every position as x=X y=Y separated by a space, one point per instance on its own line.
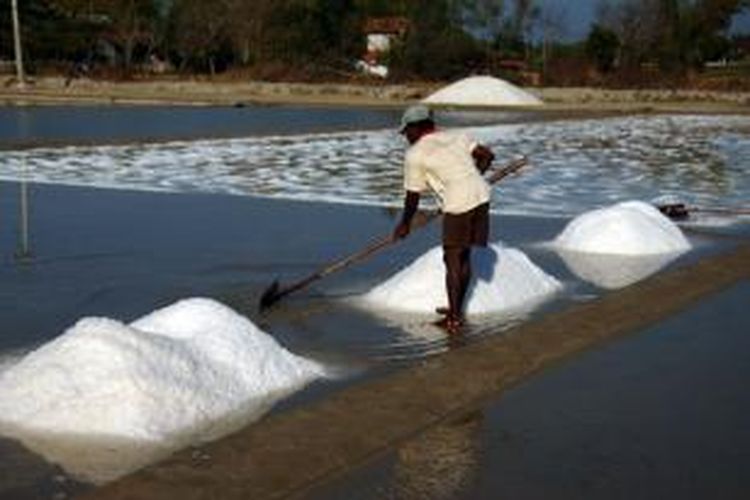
x=100 y=458
x=611 y=271
x=23 y=251
x=26 y=475
x=440 y=463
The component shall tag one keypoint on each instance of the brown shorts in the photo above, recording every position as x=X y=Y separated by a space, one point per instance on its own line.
x=470 y=228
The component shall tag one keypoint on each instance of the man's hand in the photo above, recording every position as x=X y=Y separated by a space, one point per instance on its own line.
x=411 y=204
x=401 y=231
x=483 y=158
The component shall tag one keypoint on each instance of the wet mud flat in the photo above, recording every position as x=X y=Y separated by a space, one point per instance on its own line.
x=657 y=414
x=122 y=253
x=292 y=454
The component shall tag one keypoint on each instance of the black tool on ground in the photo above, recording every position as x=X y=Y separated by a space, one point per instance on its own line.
x=680 y=211
x=276 y=291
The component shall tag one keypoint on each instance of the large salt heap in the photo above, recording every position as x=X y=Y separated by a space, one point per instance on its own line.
x=616 y=246
x=482 y=91
x=628 y=228
x=504 y=280
x=164 y=381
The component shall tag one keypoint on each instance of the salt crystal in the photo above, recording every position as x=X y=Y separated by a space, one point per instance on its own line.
x=172 y=376
x=482 y=91
x=628 y=228
x=504 y=280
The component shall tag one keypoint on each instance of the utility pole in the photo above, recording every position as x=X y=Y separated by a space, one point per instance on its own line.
x=17 y=44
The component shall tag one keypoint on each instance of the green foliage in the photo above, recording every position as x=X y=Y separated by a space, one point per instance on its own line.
x=198 y=35
x=435 y=46
x=602 y=45
x=47 y=32
x=672 y=35
x=303 y=29
x=437 y=55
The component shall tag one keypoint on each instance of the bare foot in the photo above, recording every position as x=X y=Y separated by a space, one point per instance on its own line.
x=450 y=324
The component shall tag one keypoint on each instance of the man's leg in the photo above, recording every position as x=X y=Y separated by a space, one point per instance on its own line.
x=460 y=232
x=457 y=276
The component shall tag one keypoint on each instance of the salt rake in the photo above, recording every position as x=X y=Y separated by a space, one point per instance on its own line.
x=276 y=291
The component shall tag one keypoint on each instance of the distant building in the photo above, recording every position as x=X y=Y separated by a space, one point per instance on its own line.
x=380 y=33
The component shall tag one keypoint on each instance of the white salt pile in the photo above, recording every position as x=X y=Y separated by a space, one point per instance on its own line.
x=482 y=91
x=612 y=271
x=169 y=377
x=628 y=228
x=616 y=246
x=504 y=280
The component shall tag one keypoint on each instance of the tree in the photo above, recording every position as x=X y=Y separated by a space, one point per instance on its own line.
x=602 y=45
x=248 y=24
x=484 y=18
x=436 y=47
x=48 y=33
x=126 y=23
x=677 y=34
x=199 y=34
x=552 y=23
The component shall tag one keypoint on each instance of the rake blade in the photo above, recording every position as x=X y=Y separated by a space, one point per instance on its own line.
x=270 y=296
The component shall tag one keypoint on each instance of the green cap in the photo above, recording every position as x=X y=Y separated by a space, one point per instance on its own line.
x=415 y=114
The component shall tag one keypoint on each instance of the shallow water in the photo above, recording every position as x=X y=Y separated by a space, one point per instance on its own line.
x=576 y=165
x=91 y=124
x=175 y=227
x=660 y=414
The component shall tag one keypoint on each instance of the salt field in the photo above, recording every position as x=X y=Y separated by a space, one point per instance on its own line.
x=628 y=228
x=580 y=165
x=618 y=245
x=505 y=280
x=137 y=295
x=187 y=373
x=482 y=91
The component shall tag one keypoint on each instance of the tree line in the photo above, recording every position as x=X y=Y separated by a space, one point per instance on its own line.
x=673 y=36
x=320 y=39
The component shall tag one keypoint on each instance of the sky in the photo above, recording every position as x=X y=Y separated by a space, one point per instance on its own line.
x=579 y=14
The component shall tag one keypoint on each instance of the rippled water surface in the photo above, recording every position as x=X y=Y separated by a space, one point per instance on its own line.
x=577 y=164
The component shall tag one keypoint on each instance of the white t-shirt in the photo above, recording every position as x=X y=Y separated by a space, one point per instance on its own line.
x=442 y=161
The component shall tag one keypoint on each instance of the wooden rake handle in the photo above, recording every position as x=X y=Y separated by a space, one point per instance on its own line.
x=276 y=292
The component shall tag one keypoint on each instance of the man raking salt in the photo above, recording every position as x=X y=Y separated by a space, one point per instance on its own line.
x=451 y=165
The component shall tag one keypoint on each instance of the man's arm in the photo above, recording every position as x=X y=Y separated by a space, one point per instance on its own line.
x=483 y=157
x=411 y=204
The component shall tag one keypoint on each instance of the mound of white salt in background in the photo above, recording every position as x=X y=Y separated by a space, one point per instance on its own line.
x=628 y=228
x=504 y=280
x=482 y=91
x=168 y=379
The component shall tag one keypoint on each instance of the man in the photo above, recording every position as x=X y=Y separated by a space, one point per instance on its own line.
x=451 y=165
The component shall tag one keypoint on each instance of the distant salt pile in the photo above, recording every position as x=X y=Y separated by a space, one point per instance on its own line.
x=505 y=280
x=173 y=373
x=629 y=228
x=482 y=91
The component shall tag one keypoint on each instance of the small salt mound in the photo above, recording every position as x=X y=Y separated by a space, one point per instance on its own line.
x=612 y=271
x=171 y=374
x=482 y=91
x=629 y=228
x=504 y=280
